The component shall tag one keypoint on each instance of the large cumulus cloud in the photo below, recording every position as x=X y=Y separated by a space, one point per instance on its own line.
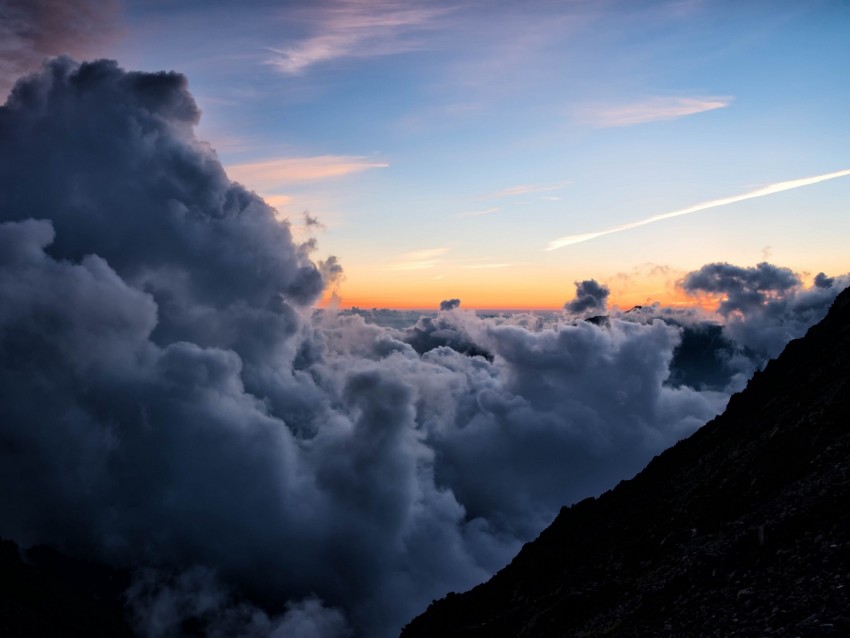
x=169 y=402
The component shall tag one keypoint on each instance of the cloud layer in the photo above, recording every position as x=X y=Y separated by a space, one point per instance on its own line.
x=170 y=402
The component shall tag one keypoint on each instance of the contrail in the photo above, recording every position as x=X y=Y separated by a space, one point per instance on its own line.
x=569 y=240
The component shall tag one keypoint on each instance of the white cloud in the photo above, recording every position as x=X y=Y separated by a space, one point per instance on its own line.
x=651 y=110
x=525 y=189
x=569 y=240
x=271 y=174
x=479 y=213
x=356 y=29
x=420 y=259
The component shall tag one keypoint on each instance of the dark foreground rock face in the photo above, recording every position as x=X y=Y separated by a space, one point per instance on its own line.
x=743 y=529
x=45 y=594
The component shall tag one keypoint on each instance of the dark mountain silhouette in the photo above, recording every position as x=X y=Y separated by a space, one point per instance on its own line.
x=743 y=529
x=46 y=594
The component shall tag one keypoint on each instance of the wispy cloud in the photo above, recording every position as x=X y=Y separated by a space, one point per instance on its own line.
x=525 y=189
x=652 y=110
x=479 y=213
x=488 y=266
x=278 y=201
x=779 y=187
x=356 y=28
x=271 y=174
x=419 y=259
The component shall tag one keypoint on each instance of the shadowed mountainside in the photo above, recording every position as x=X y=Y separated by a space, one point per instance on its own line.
x=46 y=594
x=741 y=529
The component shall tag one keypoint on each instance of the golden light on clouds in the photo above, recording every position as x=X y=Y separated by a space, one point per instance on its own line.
x=269 y=175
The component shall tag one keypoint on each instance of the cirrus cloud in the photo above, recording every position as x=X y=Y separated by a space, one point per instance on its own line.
x=651 y=110
x=355 y=29
x=268 y=175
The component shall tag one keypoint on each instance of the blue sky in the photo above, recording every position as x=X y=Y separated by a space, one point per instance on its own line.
x=443 y=145
x=499 y=153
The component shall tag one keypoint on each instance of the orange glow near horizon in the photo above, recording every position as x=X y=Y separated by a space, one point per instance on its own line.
x=508 y=294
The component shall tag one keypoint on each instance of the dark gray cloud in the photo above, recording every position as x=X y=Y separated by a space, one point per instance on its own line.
x=331 y=269
x=591 y=297
x=764 y=306
x=704 y=358
x=444 y=330
x=743 y=288
x=32 y=30
x=822 y=281
x=449 y=304
x=110 y=157
x=170 y=402
x=168 y=605
x=312 y=222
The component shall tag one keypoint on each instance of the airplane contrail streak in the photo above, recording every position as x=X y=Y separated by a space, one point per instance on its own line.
x=569 y=240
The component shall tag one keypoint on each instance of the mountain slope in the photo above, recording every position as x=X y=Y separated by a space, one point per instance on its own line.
x=741 y=529
x=46 y=594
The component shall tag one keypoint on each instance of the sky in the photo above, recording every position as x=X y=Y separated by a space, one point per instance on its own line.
x=444 y=148
x=173 y=403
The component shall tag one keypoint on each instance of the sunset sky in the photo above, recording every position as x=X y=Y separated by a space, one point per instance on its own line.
x=498 y=151
x=171 y=401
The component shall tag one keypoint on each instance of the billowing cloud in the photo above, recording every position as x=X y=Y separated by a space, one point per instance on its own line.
x=822 y=281
x=653 y=110
x=449 y=304
x=743 y=288
x=591 y=296
x=32 y=30
x=764 y=306
x=779 y=187
x=171 y=403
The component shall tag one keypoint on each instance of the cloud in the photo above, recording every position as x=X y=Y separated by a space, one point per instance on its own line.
x=32 y=30
x=161 y=602
x=764 y=306
x=356 y=29
x=172 y=403
x=449 y=304
x=590 y=297
x=431 y=333
x=488 y=266
x=822 y=281
x=743 y=288
x=478 y=213
x=778 y=187
x=525 y=189
x=653 y=110
x=272 y=174
x=278 y=201
x=420 y=259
